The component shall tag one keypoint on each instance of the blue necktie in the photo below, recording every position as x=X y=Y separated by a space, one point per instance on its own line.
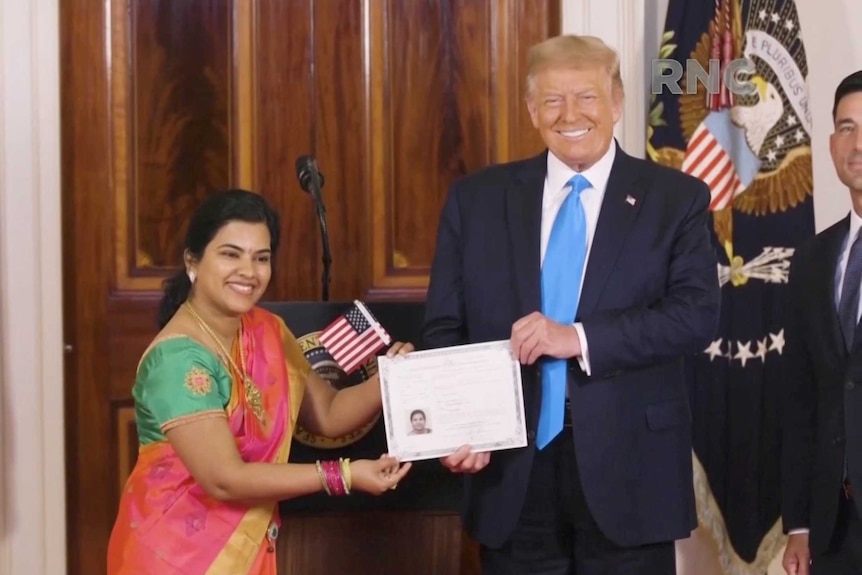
x=848 y=305
x=562 y=271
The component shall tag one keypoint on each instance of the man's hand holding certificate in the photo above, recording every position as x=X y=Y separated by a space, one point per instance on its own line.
x=437 y=401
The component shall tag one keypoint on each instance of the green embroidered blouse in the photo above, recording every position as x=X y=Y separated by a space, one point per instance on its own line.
x=178 y=379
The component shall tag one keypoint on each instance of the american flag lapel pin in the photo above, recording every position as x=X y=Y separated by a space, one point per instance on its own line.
x=630 y=200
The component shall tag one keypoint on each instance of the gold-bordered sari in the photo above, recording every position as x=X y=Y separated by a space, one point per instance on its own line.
x=167 y=524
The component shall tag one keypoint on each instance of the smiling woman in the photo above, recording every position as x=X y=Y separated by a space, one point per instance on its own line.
x=218 y=394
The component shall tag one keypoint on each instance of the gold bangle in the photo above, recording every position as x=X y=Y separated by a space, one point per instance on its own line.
x=345 y=474
x=322 y=477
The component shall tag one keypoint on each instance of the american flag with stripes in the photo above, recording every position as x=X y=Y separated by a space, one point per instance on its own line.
x=706 y=159
x=354 y=337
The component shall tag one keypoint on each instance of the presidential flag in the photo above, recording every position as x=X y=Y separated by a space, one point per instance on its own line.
x=752 y=147
x=354 y=337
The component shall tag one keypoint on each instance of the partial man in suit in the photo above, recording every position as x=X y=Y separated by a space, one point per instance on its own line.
x=605 y=484
x=822 y=447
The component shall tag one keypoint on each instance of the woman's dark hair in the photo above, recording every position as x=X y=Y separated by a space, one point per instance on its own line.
x=417 y=412
x=213 y=214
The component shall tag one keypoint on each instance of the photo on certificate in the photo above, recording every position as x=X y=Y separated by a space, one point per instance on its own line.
x=437 y=400
x=418 y=423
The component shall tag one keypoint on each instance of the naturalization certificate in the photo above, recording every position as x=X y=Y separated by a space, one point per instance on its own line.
x=437 y=400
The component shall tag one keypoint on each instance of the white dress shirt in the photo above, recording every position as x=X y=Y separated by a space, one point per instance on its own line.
x=556 y=191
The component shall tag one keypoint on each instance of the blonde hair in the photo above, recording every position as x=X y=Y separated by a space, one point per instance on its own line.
x=571 y=51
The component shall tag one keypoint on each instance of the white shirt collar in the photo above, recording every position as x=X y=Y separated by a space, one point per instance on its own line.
x=598 y=174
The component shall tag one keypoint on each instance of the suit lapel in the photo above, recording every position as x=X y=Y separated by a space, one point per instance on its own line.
x=623 y=199
x=829 y=262
x=524 y=218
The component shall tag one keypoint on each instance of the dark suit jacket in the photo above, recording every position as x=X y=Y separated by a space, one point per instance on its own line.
x=650 y=296
x=823 y=404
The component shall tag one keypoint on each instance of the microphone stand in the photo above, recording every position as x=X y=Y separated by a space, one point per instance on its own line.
x=316 y=186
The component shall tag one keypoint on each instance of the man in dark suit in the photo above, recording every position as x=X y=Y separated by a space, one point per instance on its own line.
x=822 y=447
x=599 y=267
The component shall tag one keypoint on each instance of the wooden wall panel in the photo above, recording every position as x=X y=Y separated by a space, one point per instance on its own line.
x=126 y=433
x=310 y=100
x=88 y=264
x=339 y=136
x=436 y=77
x=529 y=22
x=171 y=68
x=131 y=327
x=398 y=540
x=181 y=137
x=284 y=104
x=446 y=100
x=396 y=100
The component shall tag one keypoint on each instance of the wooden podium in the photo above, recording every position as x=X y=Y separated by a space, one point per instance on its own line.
x=414 y=530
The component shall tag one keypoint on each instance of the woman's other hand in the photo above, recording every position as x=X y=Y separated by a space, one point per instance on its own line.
x=376 y=476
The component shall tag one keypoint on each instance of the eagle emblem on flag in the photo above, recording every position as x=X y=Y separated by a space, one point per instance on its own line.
x=754 y=151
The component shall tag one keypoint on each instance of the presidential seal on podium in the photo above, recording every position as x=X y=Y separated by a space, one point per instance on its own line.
x=326 y=367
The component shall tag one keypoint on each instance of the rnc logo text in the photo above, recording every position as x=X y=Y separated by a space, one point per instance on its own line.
x=667 y=74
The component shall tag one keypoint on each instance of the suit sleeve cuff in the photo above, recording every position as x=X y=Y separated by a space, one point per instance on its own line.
x=799 y=531
x=584 y=358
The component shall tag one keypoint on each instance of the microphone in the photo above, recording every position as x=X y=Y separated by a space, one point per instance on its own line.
x=310 y=178
x=311 y=181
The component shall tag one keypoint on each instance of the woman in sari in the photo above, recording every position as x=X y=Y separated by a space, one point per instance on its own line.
x=218 y=394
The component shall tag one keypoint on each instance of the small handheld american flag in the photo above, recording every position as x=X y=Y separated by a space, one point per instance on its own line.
x=354 y=337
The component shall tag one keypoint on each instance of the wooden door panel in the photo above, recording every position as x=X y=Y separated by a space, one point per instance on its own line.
x=171 y=85
x=373 y=543
x=126 y=433
x=129 y=330
x=310 y=99
x=431 y=116
x=164 y=102
x=445 y=100
x=88 y=263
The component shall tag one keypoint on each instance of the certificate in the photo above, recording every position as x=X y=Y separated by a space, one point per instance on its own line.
x=437 y=400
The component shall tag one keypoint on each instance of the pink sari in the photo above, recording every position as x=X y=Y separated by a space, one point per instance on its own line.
x=167 y=524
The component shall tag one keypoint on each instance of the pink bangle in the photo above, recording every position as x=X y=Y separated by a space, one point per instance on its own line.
x=334 y=479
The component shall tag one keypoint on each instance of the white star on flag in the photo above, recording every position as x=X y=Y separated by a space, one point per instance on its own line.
x=777 y=342
x=743 y=352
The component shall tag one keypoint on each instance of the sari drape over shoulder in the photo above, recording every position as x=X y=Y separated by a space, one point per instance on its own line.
x=167 y=524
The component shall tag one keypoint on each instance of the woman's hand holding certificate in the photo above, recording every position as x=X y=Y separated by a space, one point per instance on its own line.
x=438 y=401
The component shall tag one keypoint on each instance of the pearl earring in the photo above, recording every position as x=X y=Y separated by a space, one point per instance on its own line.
x=192 y=276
